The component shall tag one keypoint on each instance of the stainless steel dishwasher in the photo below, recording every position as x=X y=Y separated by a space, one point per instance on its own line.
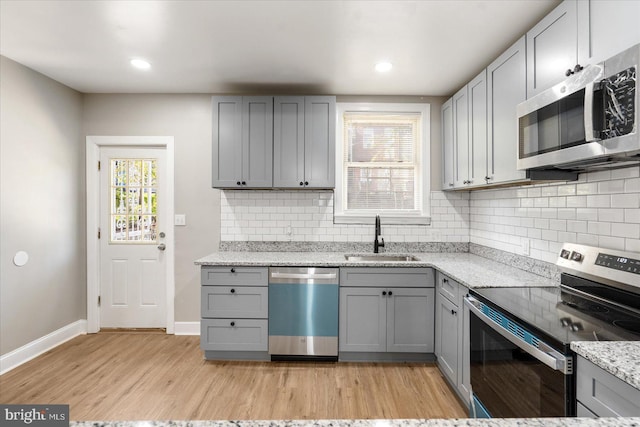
x=303 y=313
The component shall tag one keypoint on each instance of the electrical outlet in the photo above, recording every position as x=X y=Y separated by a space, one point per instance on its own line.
x=180 y=219
x=524 y=246
x=288 y=230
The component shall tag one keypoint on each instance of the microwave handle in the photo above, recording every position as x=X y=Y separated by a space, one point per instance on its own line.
x=589 y=133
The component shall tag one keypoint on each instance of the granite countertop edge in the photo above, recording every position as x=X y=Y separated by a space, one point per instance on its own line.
x=619 y=358
x=468 y=422
x=470 y=270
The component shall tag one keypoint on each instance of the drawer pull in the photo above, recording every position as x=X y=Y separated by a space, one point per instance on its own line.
x=390 y=293
x=445 y=280
x=233 y=291
x=384 y=293
x=233 y=270
x=233 y=323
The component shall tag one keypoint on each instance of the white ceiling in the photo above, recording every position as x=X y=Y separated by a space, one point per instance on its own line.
x=314 y=47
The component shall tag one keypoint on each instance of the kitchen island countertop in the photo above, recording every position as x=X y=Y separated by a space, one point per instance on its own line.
x=470 y=270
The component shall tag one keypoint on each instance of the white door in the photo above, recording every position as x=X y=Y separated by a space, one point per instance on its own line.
x=133 y=207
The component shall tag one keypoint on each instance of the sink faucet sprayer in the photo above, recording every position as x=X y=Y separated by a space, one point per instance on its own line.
x=379 y=241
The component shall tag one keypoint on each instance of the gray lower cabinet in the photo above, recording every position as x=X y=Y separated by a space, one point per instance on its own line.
x=304 y=142
x=602 y=394
x=234 y=312
x=386 y=313
x=452 y=335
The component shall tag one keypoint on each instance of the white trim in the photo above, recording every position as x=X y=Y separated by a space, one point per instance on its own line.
x=424 y=148
x=93 y=202
x=187 y=328
x=35 y=348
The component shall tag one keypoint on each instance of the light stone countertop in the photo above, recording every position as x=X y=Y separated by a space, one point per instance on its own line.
x=494 y=422
x=620 y=358
x=470 y=270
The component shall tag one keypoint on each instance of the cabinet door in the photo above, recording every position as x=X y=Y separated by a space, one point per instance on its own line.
x=461 y=137
x=257 y=141
x=448 y=158
x=288 y=141
x=552 y=48
x=319 y=141
x=363 y=320
x=477 y=92
x=410 y=320
x=227 y=141
x=606 y=28
x=447 y=336
x=506 y=88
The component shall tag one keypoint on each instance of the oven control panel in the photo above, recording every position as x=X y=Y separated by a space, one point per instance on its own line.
x=618 y=263
x=601 y=265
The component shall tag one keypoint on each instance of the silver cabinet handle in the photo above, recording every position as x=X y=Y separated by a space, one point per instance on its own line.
x=162 y=246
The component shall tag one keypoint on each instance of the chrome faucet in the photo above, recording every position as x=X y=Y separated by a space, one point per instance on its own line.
x=379 y=241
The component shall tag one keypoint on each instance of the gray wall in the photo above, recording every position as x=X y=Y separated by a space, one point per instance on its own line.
x=41 y=206
x=188 y=119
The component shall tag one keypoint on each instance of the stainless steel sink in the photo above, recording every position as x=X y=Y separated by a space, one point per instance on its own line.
x=380 y=257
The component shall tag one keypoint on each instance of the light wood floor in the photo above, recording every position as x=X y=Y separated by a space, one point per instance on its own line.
x=146 y=376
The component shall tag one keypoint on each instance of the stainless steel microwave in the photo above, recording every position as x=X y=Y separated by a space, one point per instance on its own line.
x=588 y=121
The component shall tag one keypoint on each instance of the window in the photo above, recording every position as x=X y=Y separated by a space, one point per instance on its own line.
x=133 y=204
x=382 y=154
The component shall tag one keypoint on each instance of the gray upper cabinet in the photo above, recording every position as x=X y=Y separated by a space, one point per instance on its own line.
x=506 y=88
x=242 y=142
x=288 y=141
x=552 y=48
x=460 y=102
x=447 y=145
x=606 y=28
x=320 y=141
x=227 y=141
x=304 y=142
x=477 y=93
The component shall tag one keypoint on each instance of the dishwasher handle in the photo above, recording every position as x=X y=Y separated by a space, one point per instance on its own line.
x=542 y=352
x=304 y=276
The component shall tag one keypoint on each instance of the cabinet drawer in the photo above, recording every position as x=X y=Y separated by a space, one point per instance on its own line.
x=234 y=334
x=448 y=288
x=604 y=394
x=387 y=277
x=234 y=276
x=241 y=301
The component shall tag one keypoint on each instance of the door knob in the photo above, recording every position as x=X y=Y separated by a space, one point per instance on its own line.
x=162 y=246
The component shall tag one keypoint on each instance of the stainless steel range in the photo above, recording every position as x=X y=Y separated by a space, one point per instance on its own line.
x=521 y=361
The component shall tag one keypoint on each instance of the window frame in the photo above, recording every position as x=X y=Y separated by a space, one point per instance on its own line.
x=420 y=217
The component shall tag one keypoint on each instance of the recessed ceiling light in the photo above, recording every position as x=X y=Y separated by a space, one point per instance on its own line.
x=140 y=64
x=383 y=67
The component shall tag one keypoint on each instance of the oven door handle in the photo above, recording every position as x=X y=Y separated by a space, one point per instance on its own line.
x=543 y=352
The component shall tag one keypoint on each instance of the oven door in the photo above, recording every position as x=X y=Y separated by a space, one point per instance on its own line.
x=513 y=373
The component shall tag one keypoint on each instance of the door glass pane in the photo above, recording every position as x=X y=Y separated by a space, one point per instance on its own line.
x=133 y=201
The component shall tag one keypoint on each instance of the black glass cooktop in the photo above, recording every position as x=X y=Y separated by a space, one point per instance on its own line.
x=561 y=317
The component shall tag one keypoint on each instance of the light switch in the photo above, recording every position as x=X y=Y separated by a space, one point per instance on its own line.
x=180 y=219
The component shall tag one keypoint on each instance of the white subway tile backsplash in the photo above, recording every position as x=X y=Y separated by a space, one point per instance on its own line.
x=601 y=208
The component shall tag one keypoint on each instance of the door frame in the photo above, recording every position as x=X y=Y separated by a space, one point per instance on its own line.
x=94 y=144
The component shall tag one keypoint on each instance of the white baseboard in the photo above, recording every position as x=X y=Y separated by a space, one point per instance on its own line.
x=186 y=328
x=35 y=348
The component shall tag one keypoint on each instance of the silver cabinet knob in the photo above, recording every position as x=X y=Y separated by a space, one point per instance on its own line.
x=162 y=246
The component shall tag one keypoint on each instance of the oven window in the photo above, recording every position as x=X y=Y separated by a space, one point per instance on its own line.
x=553 y=127
x=508 y=381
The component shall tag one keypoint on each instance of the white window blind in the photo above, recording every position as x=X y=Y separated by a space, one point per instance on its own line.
x=380 y=161
x=383 y=163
